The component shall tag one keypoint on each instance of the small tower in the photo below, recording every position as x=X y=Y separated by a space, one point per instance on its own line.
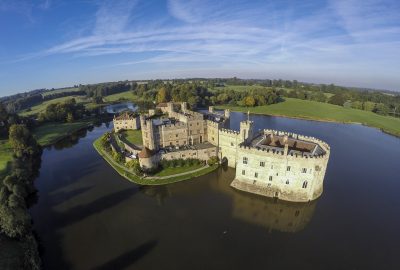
x=227 y=113
x=170 y=107
x=211 y=109
x=246 y=129
x=184 y=107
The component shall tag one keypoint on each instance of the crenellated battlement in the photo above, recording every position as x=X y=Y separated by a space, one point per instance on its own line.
x=298 y=137
x=174 y=126
x=224 y=131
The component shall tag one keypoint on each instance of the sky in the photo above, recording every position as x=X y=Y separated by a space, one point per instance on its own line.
x=58 y=43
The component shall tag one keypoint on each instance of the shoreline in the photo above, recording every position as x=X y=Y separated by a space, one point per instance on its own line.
x=152 y=181
x=397 y=135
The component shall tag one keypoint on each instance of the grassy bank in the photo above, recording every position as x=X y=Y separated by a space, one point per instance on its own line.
x=50 y=133
x=42 y=106
x=177 y=170
x=5 y=156
x=312 y=110
x=147 y=181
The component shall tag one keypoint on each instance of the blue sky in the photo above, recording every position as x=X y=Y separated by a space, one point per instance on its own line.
x=56 y=43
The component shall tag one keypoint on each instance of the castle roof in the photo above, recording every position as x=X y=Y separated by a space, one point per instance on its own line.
x=145 y=153
x=125 y=116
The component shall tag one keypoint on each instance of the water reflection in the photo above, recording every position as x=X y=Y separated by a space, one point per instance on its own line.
x=120 y=107
x=269 y=213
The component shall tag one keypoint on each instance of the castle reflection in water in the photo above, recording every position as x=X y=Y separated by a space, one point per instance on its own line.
x=272 y=214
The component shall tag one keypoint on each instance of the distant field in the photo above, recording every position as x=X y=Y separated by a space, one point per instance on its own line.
x=127 y=95
x=41 y=107
x=52 y=132
x=5 y=155
x=57 y=91
x=312 y=110
x=133 y=136
x=240 y=88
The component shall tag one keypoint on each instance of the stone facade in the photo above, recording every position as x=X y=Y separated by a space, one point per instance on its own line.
x=126 y=121
x=276 y=164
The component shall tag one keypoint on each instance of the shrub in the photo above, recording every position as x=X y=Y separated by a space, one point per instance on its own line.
x=212 y=160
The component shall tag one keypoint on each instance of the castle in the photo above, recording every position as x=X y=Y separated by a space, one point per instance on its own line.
x=126 y=121
x=272 y=163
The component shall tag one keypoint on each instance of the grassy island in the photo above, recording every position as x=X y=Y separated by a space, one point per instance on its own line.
x=165 y=176
x=312 y=110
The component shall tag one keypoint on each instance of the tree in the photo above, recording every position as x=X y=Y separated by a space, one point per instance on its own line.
x=249 y=101
x=22 y=141
x=162 y=95
x=337 y=99
x=70 y=118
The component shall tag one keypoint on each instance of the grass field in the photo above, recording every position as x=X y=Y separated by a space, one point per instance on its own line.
x=312 y=110
x=176 y=170
x=57 y=91
x=133 y=136
x=50 y=133
x=41 y=107
x=127 y=95
x=5 y=155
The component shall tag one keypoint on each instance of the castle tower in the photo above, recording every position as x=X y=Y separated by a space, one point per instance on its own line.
x=170 y=107
x=227 y=113
x=246 y=129
x=142 y=120
x=184 y=106
x=150 y=129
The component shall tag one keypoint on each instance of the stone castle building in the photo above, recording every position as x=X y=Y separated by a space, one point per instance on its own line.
x=272 y=163
x=126 y=121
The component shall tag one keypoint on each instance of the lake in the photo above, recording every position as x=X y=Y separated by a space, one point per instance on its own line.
x=120 y=107
x=88 y=217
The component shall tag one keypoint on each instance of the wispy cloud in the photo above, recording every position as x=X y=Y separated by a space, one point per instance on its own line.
x=260 y=34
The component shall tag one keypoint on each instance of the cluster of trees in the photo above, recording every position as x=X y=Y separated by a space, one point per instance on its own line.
x=195 y=95
x=250 y=98
x=67 y=111
x=105 y=89
x=367 y=102
x=16 y=186
x=15 y=221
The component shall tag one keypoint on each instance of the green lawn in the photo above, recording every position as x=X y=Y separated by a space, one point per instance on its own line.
x=312 y=110
x=6 y=152
x=176 y=170
x=41 y=107
x=57 y=91
x=146 y=181
x=133 y=136
x=127 y=95
x=50 y=133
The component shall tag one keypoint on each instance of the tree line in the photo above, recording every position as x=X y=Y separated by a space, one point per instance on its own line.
x=15 y=188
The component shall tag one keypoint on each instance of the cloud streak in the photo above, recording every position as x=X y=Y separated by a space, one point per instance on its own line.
x=351 y=34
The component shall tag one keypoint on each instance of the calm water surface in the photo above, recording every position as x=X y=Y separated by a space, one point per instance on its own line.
x=88 y=217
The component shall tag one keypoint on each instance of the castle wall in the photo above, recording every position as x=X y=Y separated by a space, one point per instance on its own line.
x=212 y=132
x=202 y=154
x=127 y=124
x=229 y=141
x=288 y=177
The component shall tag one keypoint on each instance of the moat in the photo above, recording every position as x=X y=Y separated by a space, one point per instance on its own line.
x=88 y=217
